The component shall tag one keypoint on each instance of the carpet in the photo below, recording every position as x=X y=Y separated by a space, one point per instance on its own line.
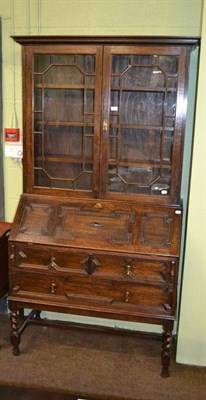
x=95 y=364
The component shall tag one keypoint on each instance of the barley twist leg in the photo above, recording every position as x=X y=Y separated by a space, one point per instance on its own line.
x=15 y=336
x=166 y=352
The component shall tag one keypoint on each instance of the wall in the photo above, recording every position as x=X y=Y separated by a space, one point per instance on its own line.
x=81 y=17
x=76 y=17
x=192 y=326
x=1 y=143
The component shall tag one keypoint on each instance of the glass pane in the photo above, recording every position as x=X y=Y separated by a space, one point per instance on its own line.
x=143 y=76
x=62 y=170
x=115 y=184
x=84 y=181
x=172 y=83
x=114 y=101
x=63 y=59
x=169 y=122
x=161 y=186
x=37 y=99
x=167 y=151
x=90 y=80
x=37 y=79
x=119 y=63
x=37 y=121
x=41 y=178
x=38 y=145
x=144 y=59
x=115 y=81
x=88 y=148
x=170 y=105
x=62 y=184
x=114 y=119
x=140 y=145
x=112 y=148
x=63 y=105
x=89 y=106
x=137 y=175
x=89 y=130
x=142 y=108
x=140 y=180
x=169 y=64
x=113 y=132
x=86 y=63
x=63 y=141
x=140 y=189
x=63 y=75
x=41 y=62
x=89 y=118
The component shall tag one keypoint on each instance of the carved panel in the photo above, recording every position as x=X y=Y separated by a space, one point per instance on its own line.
x=90 y=264
x=113 y=227
x=155 y=230
x=36 y=219
x=148 y=271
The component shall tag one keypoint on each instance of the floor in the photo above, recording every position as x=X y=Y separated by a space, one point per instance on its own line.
x=18 y=393
x=85 y=364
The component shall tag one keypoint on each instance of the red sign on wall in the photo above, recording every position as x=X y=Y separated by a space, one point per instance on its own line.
x=11 y=134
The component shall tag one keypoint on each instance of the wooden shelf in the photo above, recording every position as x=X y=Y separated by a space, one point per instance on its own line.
x=65 y=123
x=140 y=164
x=59 y=86
x=63 y=159
x=143 y=89
x=142 y=127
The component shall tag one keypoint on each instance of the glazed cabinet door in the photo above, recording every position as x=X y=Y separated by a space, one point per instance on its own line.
x=143 y=121
x=63 y=92
x=105 y=121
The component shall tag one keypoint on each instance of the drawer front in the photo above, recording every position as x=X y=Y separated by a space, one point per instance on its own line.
x=101 y=266
x=88 y=293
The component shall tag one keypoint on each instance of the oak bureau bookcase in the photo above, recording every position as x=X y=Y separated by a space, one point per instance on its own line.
x=97 y=230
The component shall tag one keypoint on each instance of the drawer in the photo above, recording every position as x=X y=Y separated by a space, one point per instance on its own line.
x=88 y=292
x=101 y=266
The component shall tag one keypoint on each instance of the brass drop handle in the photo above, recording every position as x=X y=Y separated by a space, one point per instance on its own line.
x=128 y=271
x=105 y=125
x=52 y=264
x=127 y=296
x=53 y=288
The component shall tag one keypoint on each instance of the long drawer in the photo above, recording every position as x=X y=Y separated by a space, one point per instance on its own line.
x=162 y=270
x=89 y=293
